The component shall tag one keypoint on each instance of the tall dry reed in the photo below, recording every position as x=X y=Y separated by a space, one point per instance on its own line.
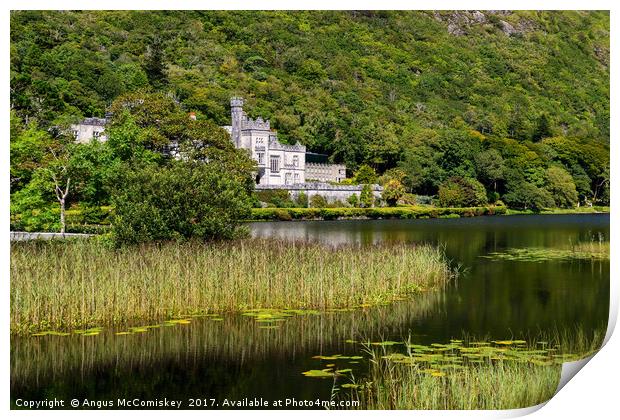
x=60 y=285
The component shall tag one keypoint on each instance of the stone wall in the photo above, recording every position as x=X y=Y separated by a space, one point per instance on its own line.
x=330 y=192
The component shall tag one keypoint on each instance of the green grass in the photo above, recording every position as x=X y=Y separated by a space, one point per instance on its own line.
x=465 y=374
x=63 y=285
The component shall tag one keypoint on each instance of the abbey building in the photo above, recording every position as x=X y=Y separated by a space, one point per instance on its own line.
x=278 y=164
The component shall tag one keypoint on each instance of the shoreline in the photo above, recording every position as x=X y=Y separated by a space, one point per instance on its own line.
x=276 y=214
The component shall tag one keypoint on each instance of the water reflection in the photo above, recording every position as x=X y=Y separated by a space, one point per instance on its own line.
x=213 y=350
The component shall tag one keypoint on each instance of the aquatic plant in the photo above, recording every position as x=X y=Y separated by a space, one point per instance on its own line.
x=53 y=359
x=80 y=284
x=580 y=251
x=469 y=374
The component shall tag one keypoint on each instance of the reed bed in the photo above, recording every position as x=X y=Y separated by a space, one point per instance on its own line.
x=488 y=387
x=596 y=249
x=497 y=382
x=64 y=285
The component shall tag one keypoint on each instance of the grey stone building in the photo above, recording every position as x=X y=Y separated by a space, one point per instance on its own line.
x=278 y=164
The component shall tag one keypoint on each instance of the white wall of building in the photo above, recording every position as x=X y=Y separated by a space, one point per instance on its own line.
x=85 y=132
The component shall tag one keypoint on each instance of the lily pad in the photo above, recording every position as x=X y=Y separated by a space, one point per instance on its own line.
x=315 y=373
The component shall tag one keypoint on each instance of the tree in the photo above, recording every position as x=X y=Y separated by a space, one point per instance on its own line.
x=562 y=187
x=353 y=200
x=366 y=196
x=58 y=170
x=154 y=66
x=528 y=196
x=182 y=200
x=28 y=149
x=302 y=199
x=365 y=175
x=490 y=167
x=392 y=174
x=458 y=191
x=393 y=190
x=525 y=195
x=601 y=188
x=543 y=128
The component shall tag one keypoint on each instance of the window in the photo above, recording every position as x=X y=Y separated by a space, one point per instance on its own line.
x=296 y=178
x=295 y=161
x=287 y=178
x=274 y=164
x=75 y=133
x=96 y=134
x=261 y=158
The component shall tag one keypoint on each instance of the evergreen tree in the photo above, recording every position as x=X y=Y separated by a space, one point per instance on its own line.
x=543 y=128
x=154 y=65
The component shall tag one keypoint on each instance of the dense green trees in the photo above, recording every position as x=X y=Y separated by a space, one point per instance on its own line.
x=166 y=175
x=386 y=90
x=179 y=201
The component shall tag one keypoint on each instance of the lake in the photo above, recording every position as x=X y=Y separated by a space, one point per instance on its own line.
x=235 y=359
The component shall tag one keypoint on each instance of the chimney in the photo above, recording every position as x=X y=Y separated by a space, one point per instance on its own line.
x=192 y=116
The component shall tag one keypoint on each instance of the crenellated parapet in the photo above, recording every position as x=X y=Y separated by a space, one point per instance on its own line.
x=257 y=124
x=274 y=144
x=236 y=102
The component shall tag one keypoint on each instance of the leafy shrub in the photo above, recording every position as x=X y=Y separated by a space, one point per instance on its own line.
x=276 y=197
x=353 y=200
x=371 y=213
x=90 y=229
x=393 y=190
x=302 y=199
x=282 y=214
x=461 y=192
x=409 y=199
x=318 y=201
x=94 y=215
x=366 y=197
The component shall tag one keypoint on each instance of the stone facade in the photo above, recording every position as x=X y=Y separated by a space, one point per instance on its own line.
x=278 y=164
x=88 y=129
x=323 y=172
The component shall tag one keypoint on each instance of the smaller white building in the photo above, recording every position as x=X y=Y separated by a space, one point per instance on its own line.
x=88 y=129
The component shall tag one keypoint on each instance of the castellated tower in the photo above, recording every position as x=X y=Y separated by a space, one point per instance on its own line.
x=236 y=111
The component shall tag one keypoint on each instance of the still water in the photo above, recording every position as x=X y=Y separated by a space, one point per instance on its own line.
x=235 y=359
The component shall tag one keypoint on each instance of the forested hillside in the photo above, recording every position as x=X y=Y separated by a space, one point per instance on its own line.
x=516 y=100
